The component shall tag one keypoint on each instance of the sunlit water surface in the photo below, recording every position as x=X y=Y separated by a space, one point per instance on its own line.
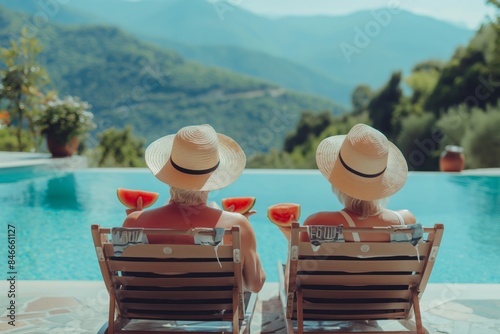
x=52 y=217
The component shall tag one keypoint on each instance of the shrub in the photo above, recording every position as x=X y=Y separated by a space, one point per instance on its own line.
x=419 y=141
x=481 y=141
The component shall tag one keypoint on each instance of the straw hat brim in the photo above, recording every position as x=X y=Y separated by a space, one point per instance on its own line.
x=232 y=161
x=368 y=189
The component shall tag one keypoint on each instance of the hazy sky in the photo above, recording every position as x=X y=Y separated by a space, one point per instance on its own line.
x=468 y=13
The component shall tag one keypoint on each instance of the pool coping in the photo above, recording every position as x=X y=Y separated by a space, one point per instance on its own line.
x=26 y=159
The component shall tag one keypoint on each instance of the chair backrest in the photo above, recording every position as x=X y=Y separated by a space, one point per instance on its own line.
x=171 y=281
x=358 y=280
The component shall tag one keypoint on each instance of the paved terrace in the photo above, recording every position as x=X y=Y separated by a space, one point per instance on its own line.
x=81 y=307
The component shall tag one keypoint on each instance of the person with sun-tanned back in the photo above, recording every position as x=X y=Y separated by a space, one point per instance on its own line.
x=193 y=162
x=364 y=169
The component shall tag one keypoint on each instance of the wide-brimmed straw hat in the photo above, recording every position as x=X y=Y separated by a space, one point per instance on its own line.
x=363 y=164
x=196 y=158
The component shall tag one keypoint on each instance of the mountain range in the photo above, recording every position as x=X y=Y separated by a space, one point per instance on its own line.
x=323 y=55
x=132 y=82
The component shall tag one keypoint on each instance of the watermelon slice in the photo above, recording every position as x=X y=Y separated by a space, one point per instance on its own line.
x=283 y=214
x=129 y=197
x=241 y=204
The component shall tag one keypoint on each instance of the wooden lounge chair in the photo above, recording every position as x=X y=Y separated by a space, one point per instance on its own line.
x=163 y=287
x=336 y=282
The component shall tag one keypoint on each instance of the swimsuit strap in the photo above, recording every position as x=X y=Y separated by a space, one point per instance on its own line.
x=349 y=220
x=400 y=218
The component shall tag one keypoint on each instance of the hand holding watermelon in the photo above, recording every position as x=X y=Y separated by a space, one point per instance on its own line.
x=241 y=205
x=283 y=214
x=136 y=200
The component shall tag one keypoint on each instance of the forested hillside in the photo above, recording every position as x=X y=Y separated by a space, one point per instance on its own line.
x=130 y=82
x=325 y=55
x=448 y=103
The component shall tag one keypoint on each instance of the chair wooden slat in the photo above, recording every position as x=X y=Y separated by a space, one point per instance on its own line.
x=367 y=316
x=182 y=295
x=372 y=249
x=177 y=316
x=179 y=307
x=174 y=251
x=171 y=267
x=356 y=307
x=355 y=280
x=354 y=294
x=360 y=266
x=173 y=281
x=180 y=251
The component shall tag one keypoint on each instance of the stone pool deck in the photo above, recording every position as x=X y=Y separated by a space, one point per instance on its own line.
x=81 y=307
x=17 y=166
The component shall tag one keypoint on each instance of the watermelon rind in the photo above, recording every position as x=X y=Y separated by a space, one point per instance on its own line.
x=128 y=197
x=280 y=214
x=241 y=204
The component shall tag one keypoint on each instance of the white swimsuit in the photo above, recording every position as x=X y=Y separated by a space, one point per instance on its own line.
x=395 y=237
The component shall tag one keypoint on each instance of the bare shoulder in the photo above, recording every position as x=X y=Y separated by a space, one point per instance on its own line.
x=408 y=217
x=132 y=219
x=324 y=218
x=247 y=233
x=232 y=218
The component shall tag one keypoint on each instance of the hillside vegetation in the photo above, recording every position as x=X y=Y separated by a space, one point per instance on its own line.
x=448 y=103
x=324 y=55
x=130 y=82
x=432 y=97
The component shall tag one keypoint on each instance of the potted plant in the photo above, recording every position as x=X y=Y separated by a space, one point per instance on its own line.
x=64 y=123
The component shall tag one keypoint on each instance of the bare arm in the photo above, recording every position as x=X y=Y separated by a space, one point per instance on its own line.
x=253 y=273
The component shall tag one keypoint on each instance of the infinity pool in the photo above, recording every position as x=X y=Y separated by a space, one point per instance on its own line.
x=52 y=217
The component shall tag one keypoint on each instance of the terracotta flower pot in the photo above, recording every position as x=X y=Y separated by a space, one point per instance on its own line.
x=452 y=159
x=62 y=150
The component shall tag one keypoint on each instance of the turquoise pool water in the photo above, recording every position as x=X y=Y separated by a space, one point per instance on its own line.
x=52 y=217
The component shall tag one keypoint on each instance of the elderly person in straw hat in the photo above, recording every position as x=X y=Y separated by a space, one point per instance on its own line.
x=194 y=162
x=364 y=169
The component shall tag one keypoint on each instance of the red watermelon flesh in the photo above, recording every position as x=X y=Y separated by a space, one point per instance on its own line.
x=283 y=214
x=129 y=197
x=241 y=204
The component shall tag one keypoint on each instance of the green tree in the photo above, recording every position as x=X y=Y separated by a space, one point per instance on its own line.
x=272 y=159
x=22 y=79
x=120 y=148
x=8 y=139
x=453 y=125
x=423 y=79
x=422 y=138
x=494 y=56
x=463 y=80
x=419 y=141
x=481 y=141
x=310 y=125
x=383 y=105
x=360 y=98
x=496 y=45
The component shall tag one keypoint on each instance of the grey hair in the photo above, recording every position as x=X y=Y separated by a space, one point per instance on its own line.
x=188 y=197
x=361 y=207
